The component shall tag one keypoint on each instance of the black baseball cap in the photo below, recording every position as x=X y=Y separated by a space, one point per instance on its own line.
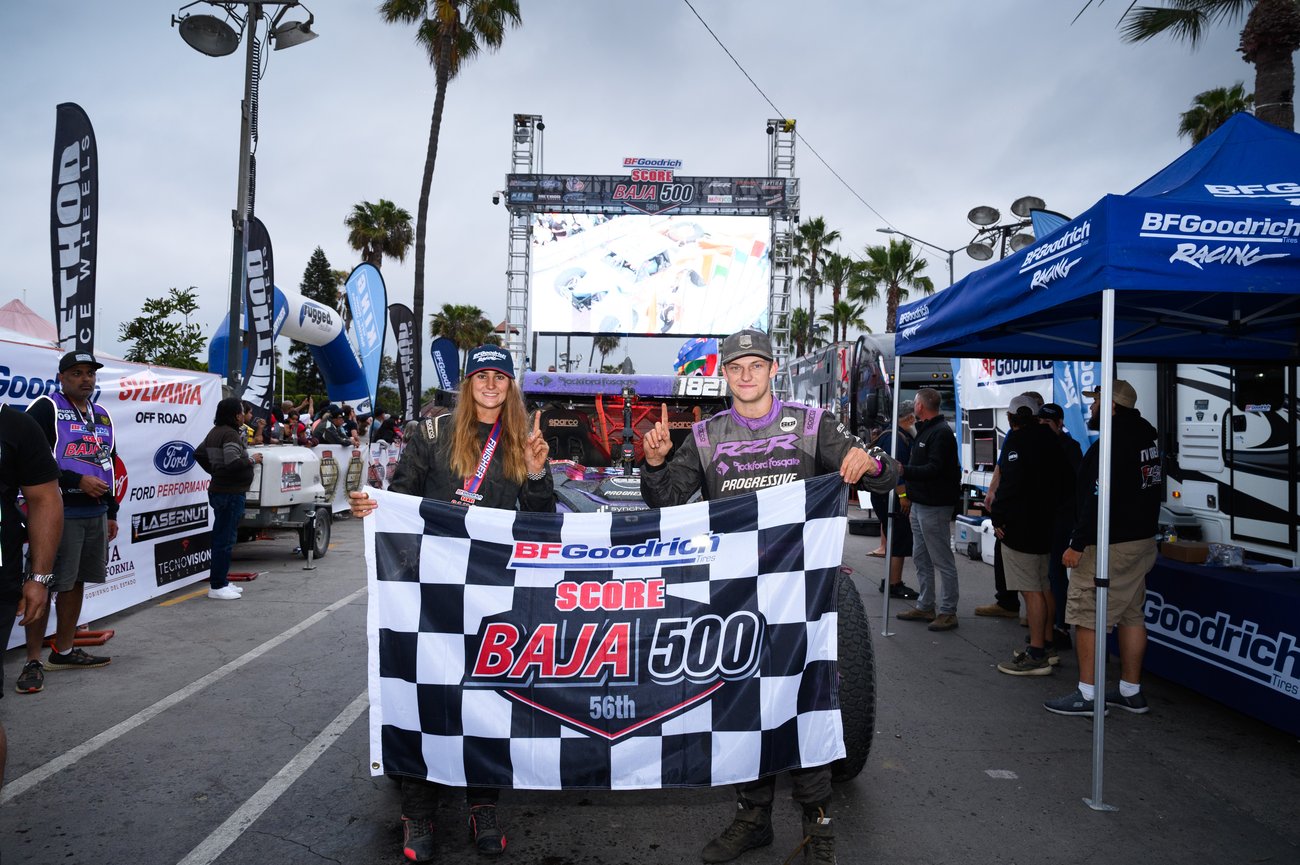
x=73 y=358
x=1051 y=411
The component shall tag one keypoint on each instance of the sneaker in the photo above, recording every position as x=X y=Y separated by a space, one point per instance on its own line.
x=1053 y=656
x=1024 y=664
x=417 y=839
x=32 y=679
x=944 y=622
x=74 y=660
x=1071 y=704
x=484 y=831
x=752 y=828
x=996 y=611
x=902 y=590
x=916 y=614
x=819 y=839
x=225 y=593
x=1137 y=704
x=239 y=589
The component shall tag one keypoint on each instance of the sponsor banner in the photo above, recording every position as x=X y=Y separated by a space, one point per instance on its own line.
x=367 y=301
x=184 y=557
x=446 y=363
x=993 y=382
x=259 y=306
x=159 y=416
x=650 y=189
x=606 y=651
x=403 y=321
x=74 y=227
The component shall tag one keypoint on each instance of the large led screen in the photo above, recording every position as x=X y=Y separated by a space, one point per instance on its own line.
x=645 y=275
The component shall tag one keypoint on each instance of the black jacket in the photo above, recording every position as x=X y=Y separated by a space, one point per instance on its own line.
x=1136 y=484
x=424 y=470
x=224 y=455
x=933 y=473
x=1035 y=478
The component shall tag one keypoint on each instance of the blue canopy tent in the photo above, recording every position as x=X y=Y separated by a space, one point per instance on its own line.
x=1201 y=261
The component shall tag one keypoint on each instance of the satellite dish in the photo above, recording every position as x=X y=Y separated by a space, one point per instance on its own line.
x=209 y=35
x=983 y=215
x=979 y=251
x=1021 y=206
x=1021 y=240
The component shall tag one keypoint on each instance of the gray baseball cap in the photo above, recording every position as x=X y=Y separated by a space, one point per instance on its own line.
x=746 y=343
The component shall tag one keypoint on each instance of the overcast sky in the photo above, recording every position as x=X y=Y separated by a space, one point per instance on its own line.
x=925 y=108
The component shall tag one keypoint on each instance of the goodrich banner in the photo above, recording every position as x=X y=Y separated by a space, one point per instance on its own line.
x=689 y=646
x=74 y=224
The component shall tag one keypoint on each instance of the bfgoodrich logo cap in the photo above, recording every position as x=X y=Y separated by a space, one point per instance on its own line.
x=489 y=357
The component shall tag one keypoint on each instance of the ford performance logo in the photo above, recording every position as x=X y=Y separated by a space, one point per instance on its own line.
x=174 y=458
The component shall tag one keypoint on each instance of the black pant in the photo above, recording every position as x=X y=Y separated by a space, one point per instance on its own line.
x=811 y=788
x=420 y=798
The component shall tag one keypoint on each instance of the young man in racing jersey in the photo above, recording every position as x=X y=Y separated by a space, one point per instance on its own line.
x=800 y=442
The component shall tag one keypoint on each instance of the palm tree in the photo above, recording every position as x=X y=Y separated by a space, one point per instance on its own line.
x=463 y=324
x=1269 y=38
x=897 y=269
x=799 y=331
x=811 y=242
x=1211 y=109
x=604 y=345
x=456 y=32
x=379 y=229
x=843 y=315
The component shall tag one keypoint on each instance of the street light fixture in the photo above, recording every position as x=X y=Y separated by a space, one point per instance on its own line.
x=948 y=252
x=992 y=237
x=216 y=37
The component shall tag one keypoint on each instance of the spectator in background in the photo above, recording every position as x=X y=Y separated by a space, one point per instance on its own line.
x=224 y=455
x=1052 y=416
x=899 y=536
x=933 y=478
x=1035 y=478
x=1136 y=491
x=80 y=433
x=385 y=429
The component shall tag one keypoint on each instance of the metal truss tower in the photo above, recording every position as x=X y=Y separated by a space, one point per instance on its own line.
x=525 y=158
x=780 y=158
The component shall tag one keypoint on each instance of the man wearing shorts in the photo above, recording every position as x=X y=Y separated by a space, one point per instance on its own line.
x=80 y=432
x=1136 y=492
x=1035 y=477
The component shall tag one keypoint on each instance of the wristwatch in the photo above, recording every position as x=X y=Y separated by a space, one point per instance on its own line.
x=44 y=579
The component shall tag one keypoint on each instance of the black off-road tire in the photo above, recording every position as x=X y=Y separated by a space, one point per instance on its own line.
x=857 y=670
x=319 y=540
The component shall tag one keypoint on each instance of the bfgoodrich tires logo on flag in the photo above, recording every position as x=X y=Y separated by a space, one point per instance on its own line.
x=689 y=646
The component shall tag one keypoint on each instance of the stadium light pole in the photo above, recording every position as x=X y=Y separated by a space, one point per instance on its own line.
x=215 y=37
x=948 y=252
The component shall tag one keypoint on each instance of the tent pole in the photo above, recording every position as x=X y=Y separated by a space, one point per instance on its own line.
x=1105 y=456
x=887 y=521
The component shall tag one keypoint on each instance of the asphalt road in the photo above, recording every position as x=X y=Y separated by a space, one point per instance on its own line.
x=235 y=732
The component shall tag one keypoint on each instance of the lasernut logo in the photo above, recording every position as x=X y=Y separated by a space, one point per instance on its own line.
x=1236 y=646
x=648 y=554
x=1071 y=241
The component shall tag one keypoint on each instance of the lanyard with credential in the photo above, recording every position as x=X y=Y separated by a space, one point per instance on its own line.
x=469 y=494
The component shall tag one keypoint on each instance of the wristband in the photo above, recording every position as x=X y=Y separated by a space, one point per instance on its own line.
x=537 y=476
x=44 y=579
x=902 y=495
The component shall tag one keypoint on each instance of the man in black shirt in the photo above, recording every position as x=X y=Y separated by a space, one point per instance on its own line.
x=1135 y=496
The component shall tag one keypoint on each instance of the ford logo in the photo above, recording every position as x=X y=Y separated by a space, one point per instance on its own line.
x=174 y=458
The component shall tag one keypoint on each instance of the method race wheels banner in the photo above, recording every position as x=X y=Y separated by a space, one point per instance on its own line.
x=74 y=226
x=683 y=647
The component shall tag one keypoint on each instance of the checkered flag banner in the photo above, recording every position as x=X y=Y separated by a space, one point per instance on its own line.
x=684 y=647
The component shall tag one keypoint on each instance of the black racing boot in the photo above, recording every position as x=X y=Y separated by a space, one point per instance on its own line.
x=751 y=828
x=819 y=838
x=484 y=830
x=417 y=839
